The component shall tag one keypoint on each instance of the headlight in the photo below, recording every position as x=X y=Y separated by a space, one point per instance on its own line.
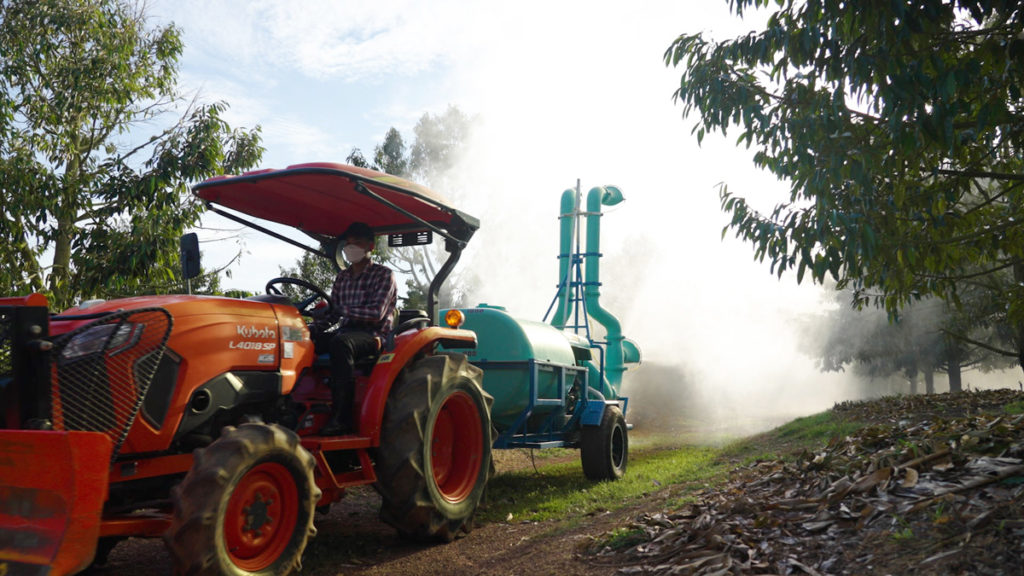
x=105 y=337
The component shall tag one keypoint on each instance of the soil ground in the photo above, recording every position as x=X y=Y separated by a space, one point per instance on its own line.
x=353 y=541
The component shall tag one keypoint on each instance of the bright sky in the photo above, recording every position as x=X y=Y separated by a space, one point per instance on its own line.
x=567 y=90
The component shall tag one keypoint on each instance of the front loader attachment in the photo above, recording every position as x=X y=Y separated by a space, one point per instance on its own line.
x=52 y=489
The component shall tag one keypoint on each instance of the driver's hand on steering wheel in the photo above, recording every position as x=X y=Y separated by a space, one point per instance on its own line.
x=319 y=312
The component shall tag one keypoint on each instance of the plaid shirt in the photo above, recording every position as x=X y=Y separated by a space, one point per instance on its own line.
x=365 y=302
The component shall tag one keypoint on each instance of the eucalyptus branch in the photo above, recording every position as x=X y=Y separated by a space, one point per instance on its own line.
x=429 y=262
x=965 y=277
x=140 y=147
x=999 y=229
x=992 y=199
x=981 y=174
x=166 y=132
x=226 y=266
x=979 y=344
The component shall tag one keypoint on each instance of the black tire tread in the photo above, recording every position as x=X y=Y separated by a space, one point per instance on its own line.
x=595 y=447
x=402 y=482
x=192 y=538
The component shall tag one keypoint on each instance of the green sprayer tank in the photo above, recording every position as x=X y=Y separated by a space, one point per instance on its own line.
x=551 y=380
x=516 y=354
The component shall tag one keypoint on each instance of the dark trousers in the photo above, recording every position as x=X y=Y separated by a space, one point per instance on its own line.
x=346 y=347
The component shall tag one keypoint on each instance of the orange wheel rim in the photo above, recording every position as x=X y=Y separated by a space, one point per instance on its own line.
x=456 y=447
x=261 y=516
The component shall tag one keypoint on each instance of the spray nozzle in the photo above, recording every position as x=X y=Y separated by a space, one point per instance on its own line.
x=611 y=196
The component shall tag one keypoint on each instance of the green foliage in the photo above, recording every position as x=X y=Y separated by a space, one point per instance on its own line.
x=439 y=141
x=75 y=78
x=389 y=156
x=312 y=268
x=356 y=158
x=899 y=126
x=415 y=298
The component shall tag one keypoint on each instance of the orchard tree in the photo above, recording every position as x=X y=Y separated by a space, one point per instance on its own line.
x=88 y=210
x=439 y=141
x=900 y=128
x=390 y=155
x=928 y=336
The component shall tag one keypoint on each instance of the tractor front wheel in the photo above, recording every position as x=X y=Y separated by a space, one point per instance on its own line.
x=246 y=506
x=434 y=458
x=604 y=450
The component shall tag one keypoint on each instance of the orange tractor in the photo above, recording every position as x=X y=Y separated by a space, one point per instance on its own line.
x=196 y=418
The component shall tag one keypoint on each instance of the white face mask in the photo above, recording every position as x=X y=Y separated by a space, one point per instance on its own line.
x=353 y=253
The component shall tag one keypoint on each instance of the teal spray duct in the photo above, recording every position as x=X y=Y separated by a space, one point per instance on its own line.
x=567 y=226
x=615 y=357
x=619 y=350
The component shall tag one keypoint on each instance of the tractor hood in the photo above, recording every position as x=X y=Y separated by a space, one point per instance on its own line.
x=322 y=199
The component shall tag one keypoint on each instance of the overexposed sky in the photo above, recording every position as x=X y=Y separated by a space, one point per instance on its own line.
x=565 y=90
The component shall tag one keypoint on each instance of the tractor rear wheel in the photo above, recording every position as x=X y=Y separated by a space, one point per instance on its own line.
x=246 y=506
x=604 y=450
x=434 y=459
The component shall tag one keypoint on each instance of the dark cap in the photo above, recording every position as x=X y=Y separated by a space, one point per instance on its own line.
x=359 y=230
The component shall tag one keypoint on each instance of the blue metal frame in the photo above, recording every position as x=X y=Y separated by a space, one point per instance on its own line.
x=552 y=432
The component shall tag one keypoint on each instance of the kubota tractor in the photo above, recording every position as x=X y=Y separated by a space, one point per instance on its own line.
x=196 y=418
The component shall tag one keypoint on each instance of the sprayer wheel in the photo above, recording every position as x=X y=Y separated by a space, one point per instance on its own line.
x=434 y=459
x=246 y=506
x=604 y=450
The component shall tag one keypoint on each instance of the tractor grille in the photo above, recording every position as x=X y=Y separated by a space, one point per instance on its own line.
x=100 y=372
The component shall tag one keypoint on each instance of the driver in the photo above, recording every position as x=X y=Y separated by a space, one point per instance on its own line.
x=364 y=297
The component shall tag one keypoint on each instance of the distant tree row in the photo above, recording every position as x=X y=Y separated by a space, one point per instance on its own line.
x=928 y=337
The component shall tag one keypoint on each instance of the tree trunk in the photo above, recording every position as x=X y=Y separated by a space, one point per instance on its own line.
x=929 y=381
x=913 y=383
x=60 y=274
x=953 y=371
x=1018 y=276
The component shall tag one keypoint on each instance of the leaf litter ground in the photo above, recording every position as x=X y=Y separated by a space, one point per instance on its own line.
x=930 y=485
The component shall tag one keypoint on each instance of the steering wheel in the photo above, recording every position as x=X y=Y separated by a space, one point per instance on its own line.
x=302 y=305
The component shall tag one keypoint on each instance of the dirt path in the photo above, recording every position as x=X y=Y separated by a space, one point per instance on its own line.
x=352 y=540
x=370 y=547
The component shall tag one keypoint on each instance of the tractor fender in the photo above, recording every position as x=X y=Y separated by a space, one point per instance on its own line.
x=408 y=346
x=52 y=489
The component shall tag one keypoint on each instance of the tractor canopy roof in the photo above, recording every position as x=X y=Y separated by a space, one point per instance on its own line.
x=323 y=199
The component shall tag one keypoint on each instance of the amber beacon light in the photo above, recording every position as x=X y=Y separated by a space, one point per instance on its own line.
x=454 y=318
